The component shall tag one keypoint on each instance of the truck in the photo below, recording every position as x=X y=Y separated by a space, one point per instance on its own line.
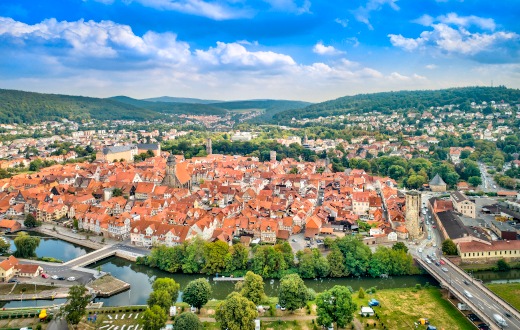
x=500 y=320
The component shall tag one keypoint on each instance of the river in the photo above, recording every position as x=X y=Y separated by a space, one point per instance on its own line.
x=142 y=277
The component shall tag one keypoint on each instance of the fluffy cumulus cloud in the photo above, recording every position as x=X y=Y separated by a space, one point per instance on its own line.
x=362 y=14
x=105 y=58
x=450 y=34
x=236 y=56
x=89 y=39
x=321 y=49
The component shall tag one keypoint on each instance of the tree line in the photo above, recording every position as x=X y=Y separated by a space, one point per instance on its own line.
x=348 y=256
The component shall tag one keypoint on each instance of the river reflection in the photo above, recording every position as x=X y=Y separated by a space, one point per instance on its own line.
x=142 y=277
x=53 y=247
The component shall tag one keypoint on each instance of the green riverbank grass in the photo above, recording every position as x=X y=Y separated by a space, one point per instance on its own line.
x=510 y=292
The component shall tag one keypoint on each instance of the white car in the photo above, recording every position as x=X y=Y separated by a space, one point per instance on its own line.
x=54 y=277
x=71 y=279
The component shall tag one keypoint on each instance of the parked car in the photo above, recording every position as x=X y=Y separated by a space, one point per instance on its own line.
x=442 y=262
x=507 y=314
x=437 y=263
x=71 y=279
x=473 y=317
x=444 y=269
x=483 y=326
x=13 y=280
x=54 y=277
x=61 y=278
x=45 y=275
x=293 y=240
x=373 y=302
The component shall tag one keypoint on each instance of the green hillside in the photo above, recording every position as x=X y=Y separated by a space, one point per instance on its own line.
x=28 y=107
x=391 y=101
x=173 y=108
x=270 y=107
x=180 y=100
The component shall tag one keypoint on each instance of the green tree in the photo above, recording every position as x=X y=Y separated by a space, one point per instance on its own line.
x=187 y=321
x=236 y=313
x=160 y=298
x=396 y=172
x=154 y=318
x=293 y=293
x=194 y=257
x=253 y=287
x=216 y=255
x=335 y=306
x=167 y=284
x=361 y=293
x=4 y=246
x=26 y=245
x=30 y=221
x=74 y=310
x=237 y=258
x=117 y=192
x=502 y=265
x=336 y=262
x=475 y=181
x=449 y=248
x=400 y=246
x=197 y=293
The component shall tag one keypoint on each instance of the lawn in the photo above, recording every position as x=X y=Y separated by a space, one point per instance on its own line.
x=6 y=288
x=401 y=308
x=510 y=292
x=30 y=288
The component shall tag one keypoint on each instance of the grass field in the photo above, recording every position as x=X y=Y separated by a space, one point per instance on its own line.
x=510 y=292
x=401 y=308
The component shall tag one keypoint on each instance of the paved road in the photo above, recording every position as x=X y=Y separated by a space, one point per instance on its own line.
x=475 y=293
x=58 y=324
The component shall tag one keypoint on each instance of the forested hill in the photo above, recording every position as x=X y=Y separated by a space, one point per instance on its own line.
x=28 y=107
x=270 y=107
x=172 y=107
x=391 y=101
x=180 y=100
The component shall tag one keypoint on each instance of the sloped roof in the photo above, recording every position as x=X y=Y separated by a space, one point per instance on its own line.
x=437 y=181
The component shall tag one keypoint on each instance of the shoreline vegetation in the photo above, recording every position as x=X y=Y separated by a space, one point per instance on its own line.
x=347 y=256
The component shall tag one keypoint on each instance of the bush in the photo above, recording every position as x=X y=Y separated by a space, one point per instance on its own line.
x=418 y=286
x=361 y=293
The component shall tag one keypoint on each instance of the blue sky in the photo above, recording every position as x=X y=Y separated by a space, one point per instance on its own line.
x=238 y=49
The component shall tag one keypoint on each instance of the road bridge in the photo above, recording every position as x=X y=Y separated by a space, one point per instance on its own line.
x=482 y=301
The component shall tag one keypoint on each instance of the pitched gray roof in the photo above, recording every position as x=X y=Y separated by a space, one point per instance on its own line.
x=437 y=181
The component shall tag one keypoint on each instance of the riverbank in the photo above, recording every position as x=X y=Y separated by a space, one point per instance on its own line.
x=400 y=309
x=510 y=292
x=58 y=232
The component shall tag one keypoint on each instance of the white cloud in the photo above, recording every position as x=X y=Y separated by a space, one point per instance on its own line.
x=237 y=56
x=362 y=14
x=498 y=46
x=425 y=20
x=216 y=10
x=431 y=66
x=409 y=44
x=291 y=6
x=467 y=21
x=104 y=39
x=342 y=22
x=321 y=49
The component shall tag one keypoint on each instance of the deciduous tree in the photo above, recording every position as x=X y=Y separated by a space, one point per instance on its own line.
x=74 y=310
x=253 y=287
x=154 y=318
x=197 y=293
x=236 y=313
x=335 y=306
x=26 y=245
x=167 y=284
x=187 y=321
x=293 y=293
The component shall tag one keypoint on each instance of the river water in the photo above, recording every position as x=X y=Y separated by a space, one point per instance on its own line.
x=142 y=277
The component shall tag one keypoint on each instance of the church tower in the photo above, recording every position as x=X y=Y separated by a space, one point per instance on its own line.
x=170 y=178
x=413 y=207
x=209 y=146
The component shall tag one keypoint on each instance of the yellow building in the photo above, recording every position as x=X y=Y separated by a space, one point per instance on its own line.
x=463 y=205
x=116 y=153
x=485 y=252
x=8 y=268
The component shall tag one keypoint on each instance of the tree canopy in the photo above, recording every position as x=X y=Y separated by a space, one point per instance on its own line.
x=74 y=310
x=197 y=293
x=236 y=313
x=292 y=293
x=335 y=306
